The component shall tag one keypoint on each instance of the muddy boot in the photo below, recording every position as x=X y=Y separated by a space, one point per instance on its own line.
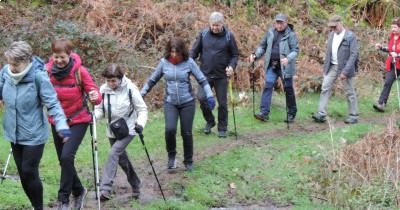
x=262 y=117
x=319 y=118
x=189 y=167
x=351 y=119
x=379 y=107
x=136 y=191
x=105 y=195
x=79 y=200
x=290 y=118
x=222 y=134
x=171 y=163
x=207 y=128
x=62 y=206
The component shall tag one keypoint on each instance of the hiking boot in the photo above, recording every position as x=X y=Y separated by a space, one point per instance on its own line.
x=222 y=134
x=319 y=118
x=290 y=118
x=79 y=200
x=171 y=163
x=62 y=206
x=379 y=107
x=262 y=117
x=189 y=167
x=207 y=129
x=136 y=192
x=105 y=196
x=351 y=119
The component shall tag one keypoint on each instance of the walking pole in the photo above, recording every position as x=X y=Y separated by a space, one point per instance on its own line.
x=5 y=167
x=283 y=83
x=151 y=164
x=253 y=86
x=93 y=133
x=397 y=82
x=233 y=105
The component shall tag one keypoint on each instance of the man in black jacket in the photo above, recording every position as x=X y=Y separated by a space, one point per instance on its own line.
x=219 y=54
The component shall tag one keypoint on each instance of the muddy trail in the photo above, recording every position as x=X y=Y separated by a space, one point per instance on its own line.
x=150 y=190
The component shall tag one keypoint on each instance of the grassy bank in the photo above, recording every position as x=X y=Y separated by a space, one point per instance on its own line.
x=268 y=165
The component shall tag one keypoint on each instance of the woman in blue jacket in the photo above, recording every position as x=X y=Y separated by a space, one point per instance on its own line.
x=24 y=90
x=176 y=68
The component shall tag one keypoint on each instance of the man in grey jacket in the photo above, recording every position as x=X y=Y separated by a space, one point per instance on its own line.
x=280 y=47
x=340 y=62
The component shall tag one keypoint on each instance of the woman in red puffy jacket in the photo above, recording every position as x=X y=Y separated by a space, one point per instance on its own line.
x=392 y=64
x=72 y=83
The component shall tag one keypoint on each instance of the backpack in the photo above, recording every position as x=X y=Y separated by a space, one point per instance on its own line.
x=205 y=31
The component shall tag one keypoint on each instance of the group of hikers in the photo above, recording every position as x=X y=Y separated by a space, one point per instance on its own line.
x=65 y=88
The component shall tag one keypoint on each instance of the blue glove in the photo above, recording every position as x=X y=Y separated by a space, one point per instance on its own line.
x=65 y=133
x=211 y=102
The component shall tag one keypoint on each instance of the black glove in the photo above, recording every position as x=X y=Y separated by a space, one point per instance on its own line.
x=138 y=128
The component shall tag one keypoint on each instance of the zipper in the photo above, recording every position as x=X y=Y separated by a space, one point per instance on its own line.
x=176 y=84
x=16 y=114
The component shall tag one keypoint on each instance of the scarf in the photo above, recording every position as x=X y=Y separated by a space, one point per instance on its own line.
x=61 y=73
x=175 y=60
x=17 y=77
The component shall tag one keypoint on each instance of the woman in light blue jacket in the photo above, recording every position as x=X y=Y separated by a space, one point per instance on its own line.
x=176 y=68
x=24 y=90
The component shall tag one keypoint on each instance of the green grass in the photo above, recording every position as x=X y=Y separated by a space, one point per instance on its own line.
x=277 y=170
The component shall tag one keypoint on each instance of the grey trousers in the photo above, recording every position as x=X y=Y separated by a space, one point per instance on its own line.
x=326 y=92
x=118 y=156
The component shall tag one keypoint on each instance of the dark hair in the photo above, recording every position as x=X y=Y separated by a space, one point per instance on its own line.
x=179 y=45
x=61 y=45
x=113 y=70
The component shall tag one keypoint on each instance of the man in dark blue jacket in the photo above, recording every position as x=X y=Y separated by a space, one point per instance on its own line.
x=219 y=54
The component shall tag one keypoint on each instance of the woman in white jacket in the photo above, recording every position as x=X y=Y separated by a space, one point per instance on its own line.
x=122 y=99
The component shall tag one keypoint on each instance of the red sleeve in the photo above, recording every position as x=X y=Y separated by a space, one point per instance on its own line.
x=89 y=84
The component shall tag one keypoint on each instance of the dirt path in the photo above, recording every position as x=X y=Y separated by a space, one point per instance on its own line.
x=150 y=190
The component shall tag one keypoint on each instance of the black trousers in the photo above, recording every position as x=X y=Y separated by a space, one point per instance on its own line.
x=390 y=77
x=27 y=159
x=185 y=113
x=69 y=181
x=221 y=90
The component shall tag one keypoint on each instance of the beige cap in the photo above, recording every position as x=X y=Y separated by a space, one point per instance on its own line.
x=334 y=20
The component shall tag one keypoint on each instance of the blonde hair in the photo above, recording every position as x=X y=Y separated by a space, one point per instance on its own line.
x=19 y=51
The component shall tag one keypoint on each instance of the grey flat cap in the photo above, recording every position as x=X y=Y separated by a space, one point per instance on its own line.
x=281 y=17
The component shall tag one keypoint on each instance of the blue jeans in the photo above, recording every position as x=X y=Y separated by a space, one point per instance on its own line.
x=270 y=78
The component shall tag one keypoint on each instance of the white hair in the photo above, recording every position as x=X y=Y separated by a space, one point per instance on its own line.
x=19 y=51
x=216 y=17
